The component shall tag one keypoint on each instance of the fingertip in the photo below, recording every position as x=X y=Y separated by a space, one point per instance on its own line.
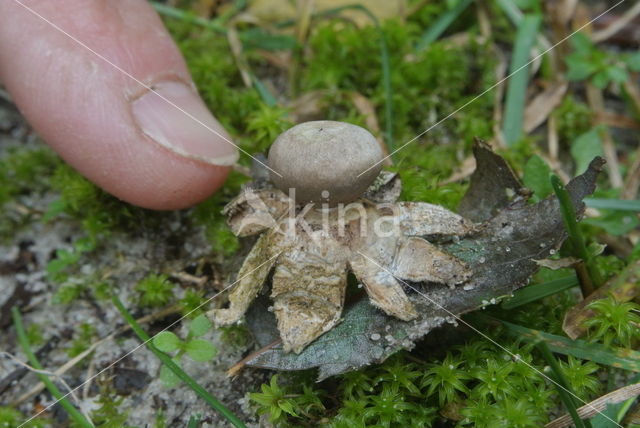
x=187 y=186
x=112 y=95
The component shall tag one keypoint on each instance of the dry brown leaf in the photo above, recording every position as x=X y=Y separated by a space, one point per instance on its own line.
x=309 y=106
x=236 y=50
x=365 y=107
x=617 y=120
x=617 y=25
x=539 y=109
x=464 y=171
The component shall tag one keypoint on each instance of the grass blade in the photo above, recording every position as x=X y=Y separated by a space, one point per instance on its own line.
x=625 y=359
x=442 y=23
x=267 y=97
x=575 y=236
x=517 y=88
x=74 y=413
x=535 y=292
x=562 y=386
x=166 y=360
x=172 y=12
x=613 y=204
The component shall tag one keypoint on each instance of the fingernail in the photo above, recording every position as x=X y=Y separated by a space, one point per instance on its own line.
x=174 y=116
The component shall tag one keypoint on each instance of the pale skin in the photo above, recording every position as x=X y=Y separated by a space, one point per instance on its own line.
x=310 y=267
x=85 y=108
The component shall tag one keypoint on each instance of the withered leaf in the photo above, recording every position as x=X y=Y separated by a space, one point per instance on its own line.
x=493 y=185
x=502 y=256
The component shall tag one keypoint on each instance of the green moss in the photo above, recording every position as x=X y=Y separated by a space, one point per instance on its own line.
x=209 y=215
x=193 y=304
x=23 y=171
x=109 y=414
x=34 y=334
x=574 y=118
x=475 y=383
x=154 y=291
x=238 y=336
x=265 y=124
x=99 y=212
x=615 y=323
x=428 y=87
x=82 y=338
x=12 y=418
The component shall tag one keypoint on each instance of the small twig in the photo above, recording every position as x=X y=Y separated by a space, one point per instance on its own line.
x=235 y=45
x=237 y=367
x=15 y=375
x=632 y=89
x=586 y=285
x=500 y=74
x=482 y=13
x=91 y=370
x=187 y=277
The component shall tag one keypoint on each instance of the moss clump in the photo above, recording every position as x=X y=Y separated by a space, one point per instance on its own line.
x=12 y=418
x=238 y=336
x=154 y=291
x=23 y=171
x=82 y=338
x=193 y=303
x=98 y=212
x=109 y=414
x=426 y=86
x=574 y=118
x=473 y=385
x=209 y=215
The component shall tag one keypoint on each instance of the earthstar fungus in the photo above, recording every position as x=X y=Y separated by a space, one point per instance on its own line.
x=312 y=242
x=322 y=160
